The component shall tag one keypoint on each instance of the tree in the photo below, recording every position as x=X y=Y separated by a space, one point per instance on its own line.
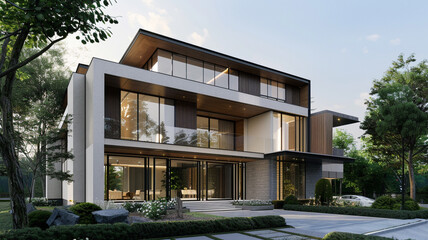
x=38 y=98
x=36 y=24
x=396 y=122
x=343 y=140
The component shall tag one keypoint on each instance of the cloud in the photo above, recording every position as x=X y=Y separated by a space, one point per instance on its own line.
x=365 y=50
x=338 y=106
x=198 y=39
x=153 y=22
x=363 y=97
x=148 y=3
x=395 y=42
x=373 y=37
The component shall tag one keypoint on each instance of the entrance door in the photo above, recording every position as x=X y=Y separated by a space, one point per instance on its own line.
x=219 y=181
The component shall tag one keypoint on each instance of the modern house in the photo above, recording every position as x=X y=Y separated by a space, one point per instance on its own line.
x=174 y=119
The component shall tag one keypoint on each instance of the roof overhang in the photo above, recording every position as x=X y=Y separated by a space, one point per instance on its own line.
x=145 y=43
x=339 y=119
x=306 y=156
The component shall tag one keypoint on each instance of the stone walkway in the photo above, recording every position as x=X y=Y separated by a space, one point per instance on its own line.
x=280 y=233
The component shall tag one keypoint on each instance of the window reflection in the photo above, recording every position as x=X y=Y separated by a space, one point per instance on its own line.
x=128 y=106
x=233 y=79
x=209 y=73
x=195 y=69
x=221 y=77
x=179 y=65
x=148 y=118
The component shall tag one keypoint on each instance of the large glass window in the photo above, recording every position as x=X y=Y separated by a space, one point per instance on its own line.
x=203 y=132
x=209 y=73
x=186 y=67
x=162 y=62
x=291 y=179
x=160 y=178
x=167 y=120
x=289 y=132
x=263 y=86
x=233 y=79
x=179 y=65
x=195 y=69
x=219 y=181
x=221 y=76
x=215 y=133
x=128 y=110
x=184 y=179
x=148 y=118
x=281 y=91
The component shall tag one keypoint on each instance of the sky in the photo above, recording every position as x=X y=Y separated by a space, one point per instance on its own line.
x=341 y=46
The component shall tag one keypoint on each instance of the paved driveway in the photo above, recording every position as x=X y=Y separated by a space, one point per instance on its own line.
x=322 y=223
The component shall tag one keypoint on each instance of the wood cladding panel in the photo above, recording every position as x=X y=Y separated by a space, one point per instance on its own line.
x=185 y=114
x=322 y=133
x=239 y=135
x=304 y=96
x=249 y=83
x=112 y=111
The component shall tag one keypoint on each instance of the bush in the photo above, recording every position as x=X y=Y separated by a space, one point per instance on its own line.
x=278 y=204
x=146 y=230
x=84 y=211
x=411 y=205
x=323 y=192
x=132 y=207
x=351 y=236
x=384 y=202
x=361 y=211
x=291 y=199
x=38 y=219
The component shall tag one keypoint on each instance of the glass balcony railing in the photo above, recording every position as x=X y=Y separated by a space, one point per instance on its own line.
x=172 y=135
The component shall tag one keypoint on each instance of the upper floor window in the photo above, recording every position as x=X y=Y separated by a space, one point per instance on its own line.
x=272 y=89
x=289 y=132
x=186 y=67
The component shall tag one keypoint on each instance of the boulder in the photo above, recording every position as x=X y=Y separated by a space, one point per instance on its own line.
x=30 y=208
x=62 y=217
x=111 y=215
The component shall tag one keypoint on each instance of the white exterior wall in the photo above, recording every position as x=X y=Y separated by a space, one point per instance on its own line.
x=53 y=186
x=258 y=133
x=95 y=131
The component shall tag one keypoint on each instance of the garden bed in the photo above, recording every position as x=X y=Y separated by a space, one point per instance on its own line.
x=257 y=208
x=361 y=211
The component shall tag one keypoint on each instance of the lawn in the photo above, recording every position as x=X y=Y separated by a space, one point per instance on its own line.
x=6 y=218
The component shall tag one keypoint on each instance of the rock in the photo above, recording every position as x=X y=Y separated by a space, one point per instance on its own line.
x=111 y=215
x=62 y=217
x=30 y=208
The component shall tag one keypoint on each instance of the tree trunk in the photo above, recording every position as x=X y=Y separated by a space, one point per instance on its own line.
x=8 y=146
x=411 y=176
x=42 y=180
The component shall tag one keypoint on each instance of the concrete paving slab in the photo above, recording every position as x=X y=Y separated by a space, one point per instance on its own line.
x=195 y=238
x=303 y=232
x=323 y=222
x=235 y=236
x=268 y=233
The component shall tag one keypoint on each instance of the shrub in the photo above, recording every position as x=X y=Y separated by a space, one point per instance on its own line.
x=147 y=230
x=351 y=236
x=323 y=192
x=252 y=202
x=411 y=205
x=361 y=211
x=291 y=199
x=384 y=202
x=38 y=219
x=84 y=211
x=153 y=209
x=278 y=204
x=132 y=207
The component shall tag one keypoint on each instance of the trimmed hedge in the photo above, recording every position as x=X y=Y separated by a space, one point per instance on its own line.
x=38 y=218
x=278 y=204
x=146 y=230
x=361 y=211
x=351 y=236
x=291 y=199
x=84 y=211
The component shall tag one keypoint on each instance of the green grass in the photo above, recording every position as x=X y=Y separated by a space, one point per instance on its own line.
x=203 y=215
x=5 y=217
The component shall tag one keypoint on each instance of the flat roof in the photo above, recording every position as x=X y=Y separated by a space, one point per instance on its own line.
x=145 y=43
x=339 y=119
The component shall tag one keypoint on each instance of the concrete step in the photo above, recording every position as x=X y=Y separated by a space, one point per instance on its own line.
x=209 y=206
